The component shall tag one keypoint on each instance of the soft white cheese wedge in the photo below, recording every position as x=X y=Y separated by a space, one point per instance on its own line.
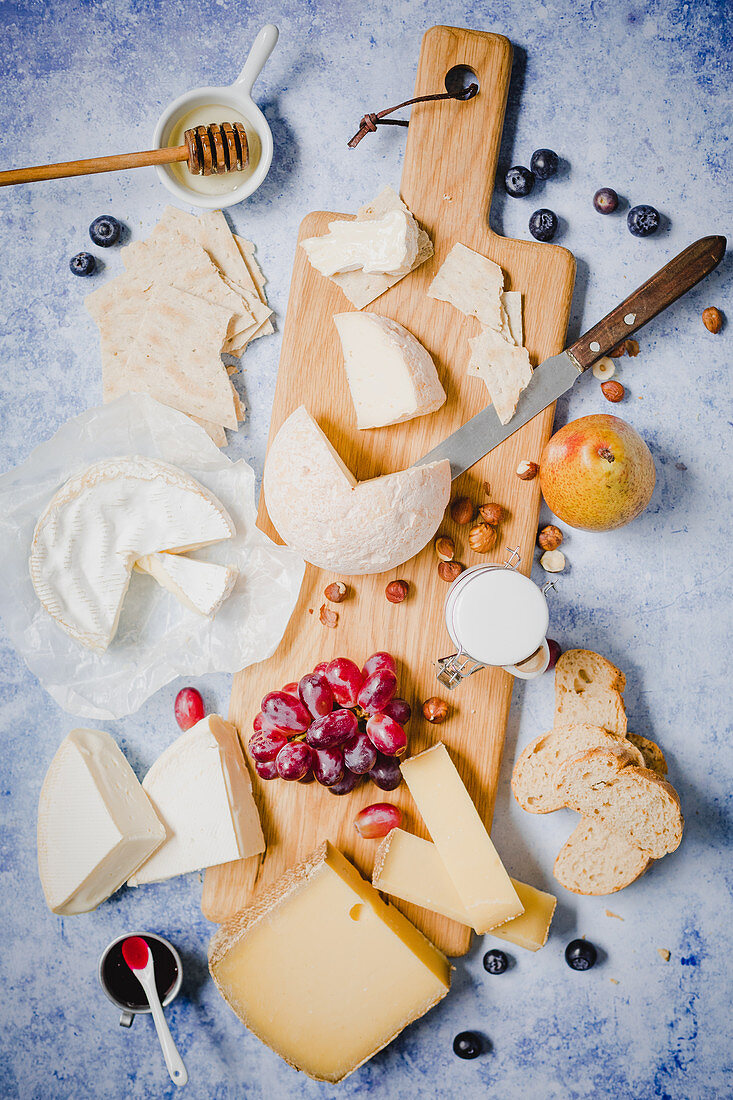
x=201 y=586
x=320 y=510
x=100 y=523
x=385 y=245
x=201 y=791
x=391 y=376
x=95 y=823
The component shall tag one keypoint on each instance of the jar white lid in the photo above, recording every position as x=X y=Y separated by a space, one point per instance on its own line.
x=499 y=617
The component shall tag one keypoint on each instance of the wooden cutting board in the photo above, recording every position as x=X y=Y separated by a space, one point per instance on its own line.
x=447 y=182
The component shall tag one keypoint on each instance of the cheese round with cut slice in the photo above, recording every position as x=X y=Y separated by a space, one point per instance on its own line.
x=392 y=377
x=201 y=586
x=100 y=522
x=339 y=524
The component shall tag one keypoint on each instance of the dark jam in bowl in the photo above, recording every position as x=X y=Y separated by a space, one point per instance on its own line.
x=124 y=986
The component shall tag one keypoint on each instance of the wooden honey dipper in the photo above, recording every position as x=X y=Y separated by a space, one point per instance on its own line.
x=209 y=150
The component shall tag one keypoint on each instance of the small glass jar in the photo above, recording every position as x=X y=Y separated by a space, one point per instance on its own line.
x=496 y=617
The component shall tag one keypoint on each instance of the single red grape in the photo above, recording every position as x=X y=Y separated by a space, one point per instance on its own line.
x=377 y=690
x=332 y=729
x=386 y=735
x=266 y=744
x=328 y=766
x=291 y=688
x=379 y=660
x=294 y=760
x=188 y=708
x=316 y=694
x=386 y=773
x=377 y=820
x=321 y=667
x=555 y=652
x=266 y=769
x=400 y=710
x=360 y=756
x=286 y=712
x=349 y=781
x=345 y=679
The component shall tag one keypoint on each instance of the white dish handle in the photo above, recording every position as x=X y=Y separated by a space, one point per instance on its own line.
x=262 y=47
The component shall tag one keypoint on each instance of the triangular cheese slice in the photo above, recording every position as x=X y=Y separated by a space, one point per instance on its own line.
x=201 y=586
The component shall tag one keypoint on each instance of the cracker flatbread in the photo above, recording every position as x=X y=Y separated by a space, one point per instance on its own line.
x=505 y=369
x=472 y=283
x=511 y=328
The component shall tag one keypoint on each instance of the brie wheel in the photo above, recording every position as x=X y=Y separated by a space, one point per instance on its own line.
x=339 y=524
x=100 y=523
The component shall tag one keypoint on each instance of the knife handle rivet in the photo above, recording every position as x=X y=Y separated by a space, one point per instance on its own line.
x=629 y=318
x=594 y=346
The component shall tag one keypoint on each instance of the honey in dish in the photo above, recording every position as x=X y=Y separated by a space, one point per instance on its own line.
x=214 y=184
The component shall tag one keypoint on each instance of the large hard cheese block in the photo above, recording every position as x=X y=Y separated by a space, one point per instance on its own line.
x=410 y=868
x=95 y=823
x=392 y=377
x=321 y=511
x=100 y=522
x=461 y=838
x=201 y=791
x=323 y=971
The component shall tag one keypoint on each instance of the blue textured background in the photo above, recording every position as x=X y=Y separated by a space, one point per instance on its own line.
x=631 y=95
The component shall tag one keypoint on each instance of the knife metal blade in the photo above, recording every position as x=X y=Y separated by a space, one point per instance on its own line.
x=484 y=431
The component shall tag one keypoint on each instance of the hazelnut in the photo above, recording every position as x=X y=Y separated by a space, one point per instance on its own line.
x=328 y=617
x=632 y=348
x=482 y=538
x=550 y=537
x=435 y=710
x=527 y=470
x=335 y=592
x=712 y=318
x=445 y=548
x=491 y=513
x=613 y=391
x=618 y=351
x=449 y=570
x=396 y=591
x=553 y=561
x=462 y=510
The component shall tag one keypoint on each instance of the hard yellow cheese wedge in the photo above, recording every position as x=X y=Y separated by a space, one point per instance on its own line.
x=324 y=971
x=461 y=839
x=410 y=868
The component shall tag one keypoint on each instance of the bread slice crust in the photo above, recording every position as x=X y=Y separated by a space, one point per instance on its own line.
x=596 y=861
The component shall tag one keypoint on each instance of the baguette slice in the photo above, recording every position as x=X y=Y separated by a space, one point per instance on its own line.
x=634 y=802
x=653 y=755
x=534 y=779
x=588 y=689
x=595 y=860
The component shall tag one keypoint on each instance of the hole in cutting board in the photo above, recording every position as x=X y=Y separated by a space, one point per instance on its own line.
x=458 y=79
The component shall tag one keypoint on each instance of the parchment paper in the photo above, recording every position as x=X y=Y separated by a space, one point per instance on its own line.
x=158 y=639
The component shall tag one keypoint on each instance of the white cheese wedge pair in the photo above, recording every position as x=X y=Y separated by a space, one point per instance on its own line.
x=98 y=826
x=392 y=377
x=339 y=524
x=100 y=523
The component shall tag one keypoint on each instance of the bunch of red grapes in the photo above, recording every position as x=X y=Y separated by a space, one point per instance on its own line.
x=339 y=724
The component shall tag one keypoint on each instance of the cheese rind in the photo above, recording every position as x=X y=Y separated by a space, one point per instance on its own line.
x=201 y=791
x=201 y=586
x=461 y=839
x=386 y=245
x=392 y=377
x=95 y=823
x=100 y=522
x=335 y=523
x=410 y=868
x=324 y=971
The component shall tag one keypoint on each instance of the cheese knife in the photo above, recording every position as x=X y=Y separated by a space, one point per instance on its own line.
x=556 y=375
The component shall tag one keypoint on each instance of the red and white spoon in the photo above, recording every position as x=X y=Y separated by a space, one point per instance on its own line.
x=138 y=957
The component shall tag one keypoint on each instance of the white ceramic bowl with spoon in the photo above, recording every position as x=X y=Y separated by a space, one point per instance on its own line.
x=231 y=103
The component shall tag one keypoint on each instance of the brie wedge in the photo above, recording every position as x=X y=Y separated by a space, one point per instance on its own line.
x=100 y=523
x=390 y=374
x=201 y=586
x=386 y=245
x=95 y=823
x=201 y=791
x=340 y=525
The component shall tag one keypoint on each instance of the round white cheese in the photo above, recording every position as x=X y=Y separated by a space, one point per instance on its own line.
x=100 y=522
x=339 y=524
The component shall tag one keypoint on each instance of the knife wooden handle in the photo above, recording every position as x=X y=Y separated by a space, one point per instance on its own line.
x=658 y=292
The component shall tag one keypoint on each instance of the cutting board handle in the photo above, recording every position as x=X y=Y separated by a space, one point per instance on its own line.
x=453 y=146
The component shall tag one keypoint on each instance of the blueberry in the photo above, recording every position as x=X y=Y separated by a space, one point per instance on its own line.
x=518 y=181
x=581 y=955
x=105 y=231
x=642 y=220
x=495 y=961
x=82 y=264
x=605 y=200
x=467 y=1045
x=543 y=225
x=544 y=163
